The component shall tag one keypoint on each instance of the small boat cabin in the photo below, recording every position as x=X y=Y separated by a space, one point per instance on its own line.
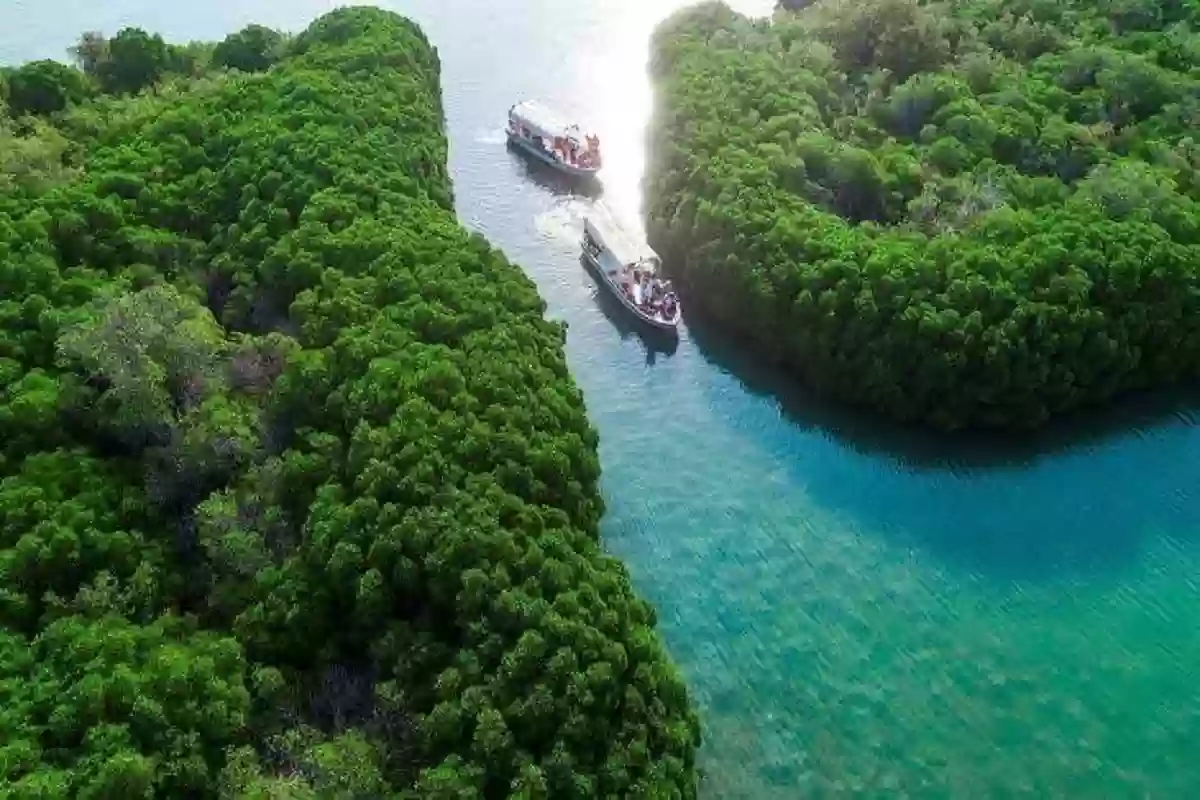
x=632 y=272
x=563 y=144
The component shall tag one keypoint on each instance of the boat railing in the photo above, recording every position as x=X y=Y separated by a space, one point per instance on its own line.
x=589 y=244
x=567 y=143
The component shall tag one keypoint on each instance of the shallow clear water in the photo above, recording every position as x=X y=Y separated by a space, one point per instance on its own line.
x=859 y=610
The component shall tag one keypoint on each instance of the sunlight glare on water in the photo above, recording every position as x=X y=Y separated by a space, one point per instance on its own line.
x=859 y=610
x=620 y=98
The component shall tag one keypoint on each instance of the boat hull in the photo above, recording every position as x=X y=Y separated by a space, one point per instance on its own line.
x=533 y=151
x=593 y=261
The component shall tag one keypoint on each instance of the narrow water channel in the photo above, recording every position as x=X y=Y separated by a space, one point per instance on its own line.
x=859 y=610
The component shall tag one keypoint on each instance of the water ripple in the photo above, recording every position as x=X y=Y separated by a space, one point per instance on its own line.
x=859 y=609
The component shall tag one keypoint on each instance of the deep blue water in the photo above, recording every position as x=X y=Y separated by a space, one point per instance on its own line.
x=859 y=609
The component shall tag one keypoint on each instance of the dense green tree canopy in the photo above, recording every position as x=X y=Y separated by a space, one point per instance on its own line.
x=33 y=156
x=45 y=87
x=252 y=49
x=135 y=60
x=297 y=496
x=967 y=212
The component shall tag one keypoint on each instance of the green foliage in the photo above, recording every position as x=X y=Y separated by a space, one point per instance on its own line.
x=33 y=157
x=67 y=521
x=134 y=60
x=45 y=87
x=104 y=707
x=156 y=351
x=344 y=767
x=964 y=213
x=252 y=49
x=297 y=496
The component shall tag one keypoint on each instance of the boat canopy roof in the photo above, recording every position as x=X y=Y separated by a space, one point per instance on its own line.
x=542 y=120
x=605 y=231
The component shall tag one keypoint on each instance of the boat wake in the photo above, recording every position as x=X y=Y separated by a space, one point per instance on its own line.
x=564 y=222
x=491 y=136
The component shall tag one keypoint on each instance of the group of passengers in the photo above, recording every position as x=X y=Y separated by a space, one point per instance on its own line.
x=568 y=149
x=653 y=296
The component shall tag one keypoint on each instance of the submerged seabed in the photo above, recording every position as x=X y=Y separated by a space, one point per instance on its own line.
x=858 y=610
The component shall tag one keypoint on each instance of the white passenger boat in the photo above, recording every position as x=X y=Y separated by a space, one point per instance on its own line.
x=538 y=131
x=630 y=271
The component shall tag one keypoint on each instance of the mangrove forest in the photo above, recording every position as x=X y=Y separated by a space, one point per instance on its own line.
x=963 y=213
x=297 y=496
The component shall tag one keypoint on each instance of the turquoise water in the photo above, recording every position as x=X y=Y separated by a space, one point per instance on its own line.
x=859 y=610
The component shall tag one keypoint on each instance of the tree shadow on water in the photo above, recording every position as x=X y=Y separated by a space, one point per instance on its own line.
x=654 y=341
x=1080 y=495
x=921 y=448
